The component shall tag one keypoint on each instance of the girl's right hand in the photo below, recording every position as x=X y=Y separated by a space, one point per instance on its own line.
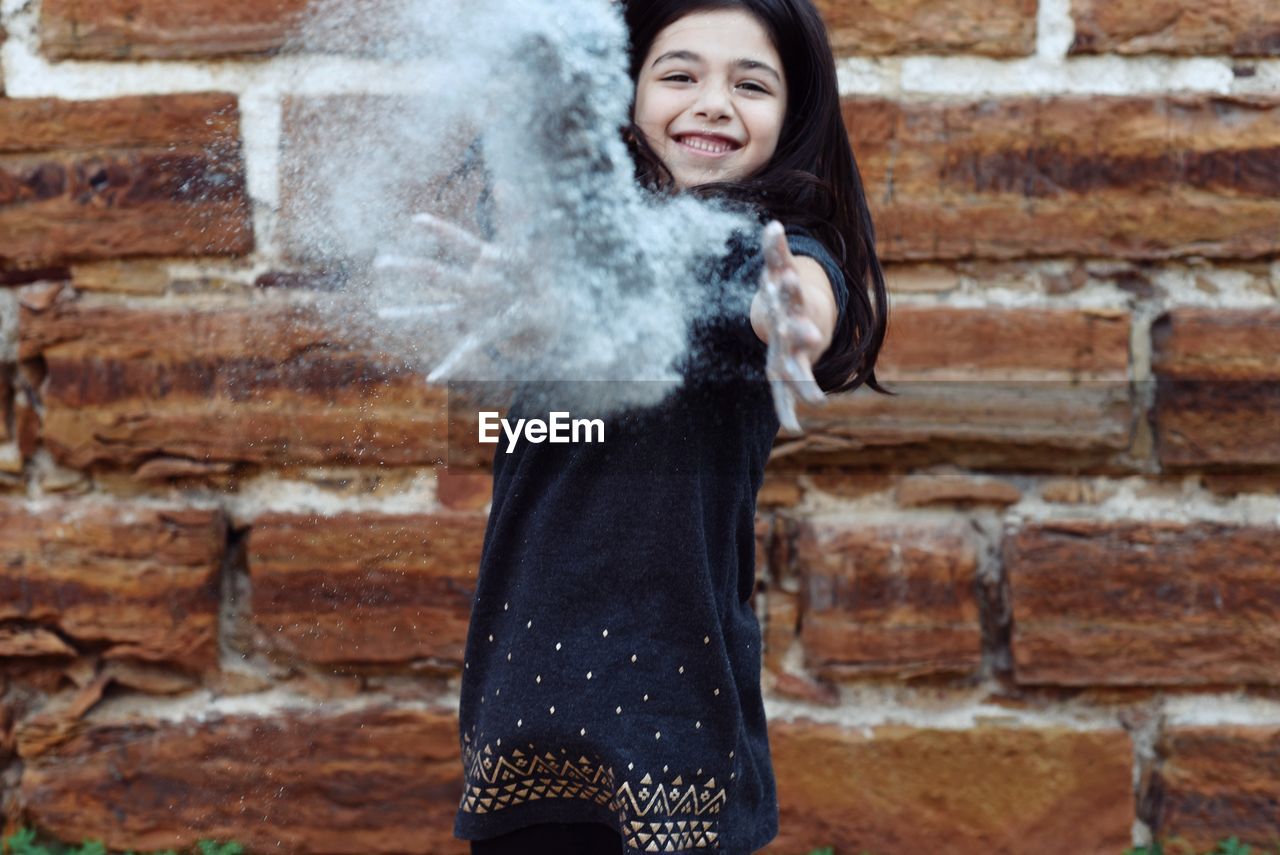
x=795 y=342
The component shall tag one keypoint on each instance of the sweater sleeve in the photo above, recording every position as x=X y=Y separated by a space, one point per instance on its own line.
x=802 y=243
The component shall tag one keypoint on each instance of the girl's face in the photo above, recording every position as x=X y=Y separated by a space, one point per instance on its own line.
x=711 y=97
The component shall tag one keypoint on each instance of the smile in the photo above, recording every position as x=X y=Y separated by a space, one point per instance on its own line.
x=707 y=146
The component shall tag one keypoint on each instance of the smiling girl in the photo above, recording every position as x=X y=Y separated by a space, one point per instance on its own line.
x=611 y=696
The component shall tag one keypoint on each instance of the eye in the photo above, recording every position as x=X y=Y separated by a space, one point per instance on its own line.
x=678 y=77
x=754 y=87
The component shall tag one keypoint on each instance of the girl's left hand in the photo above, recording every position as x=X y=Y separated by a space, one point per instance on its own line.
x=794 y=339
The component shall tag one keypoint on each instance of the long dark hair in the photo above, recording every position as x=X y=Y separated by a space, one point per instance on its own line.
x=812 y=180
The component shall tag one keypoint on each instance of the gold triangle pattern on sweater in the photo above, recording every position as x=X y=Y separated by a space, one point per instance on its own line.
x=662 y=817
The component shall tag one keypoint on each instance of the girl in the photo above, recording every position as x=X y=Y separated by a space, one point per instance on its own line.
x=611 y=693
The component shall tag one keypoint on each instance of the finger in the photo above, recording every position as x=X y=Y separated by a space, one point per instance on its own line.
x=797 y=371
x=803 y=335
x=774 y=243
x=453 y=238
x=428 y=273
x=791 y=295
x=783 y=401
x=806 y=389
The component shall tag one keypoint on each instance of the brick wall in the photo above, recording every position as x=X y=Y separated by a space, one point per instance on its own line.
x=1034 y=599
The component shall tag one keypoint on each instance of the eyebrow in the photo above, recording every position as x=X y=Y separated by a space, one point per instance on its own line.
x=690 y=56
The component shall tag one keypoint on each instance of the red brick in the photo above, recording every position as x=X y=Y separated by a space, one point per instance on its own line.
x=463 y=491
x=378 y=780
x=1006 y=387
x=6 y=401
x=314 y=160
x=881 y=598
x=1143 y=603
x=258 y=385
x=135 y=582
x=929 y=489
x=1217 y=387
x=1233 y=27
x=782 y=617
x=989 y=789
x=154 y=175
x=1120 y=177
x=1220 y=782
x=165 y=29
x=193 y=29
x=885 y=27
x=365 y=587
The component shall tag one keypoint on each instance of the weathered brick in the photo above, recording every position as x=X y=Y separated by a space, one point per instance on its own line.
x=1234 y=27
x=6 y=401
x=1127 y=177
x=1217 y=387
x=154 y=175
x=882 y=598
x=365 y=587
x=259 y=385
x=133 y=582
x=314 y=161
x=1220 y=782
x=782 y=616
x=376 y=780
x=1143 y=603
x=964 y=792
x=165 y=29
x=1008 y=387
x=463 y=491
x=930 y=489
x=884 y=27
x=192 y=29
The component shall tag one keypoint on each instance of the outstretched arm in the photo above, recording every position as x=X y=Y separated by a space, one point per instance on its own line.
x=794 y=312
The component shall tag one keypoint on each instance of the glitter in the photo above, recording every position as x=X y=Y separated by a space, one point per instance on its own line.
x=657 y=734
x=618 y=710
x=605 y=633
x=588 y=675
x=553 y=710
x=633 y=657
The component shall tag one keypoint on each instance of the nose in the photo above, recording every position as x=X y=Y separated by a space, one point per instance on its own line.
x=713 y=103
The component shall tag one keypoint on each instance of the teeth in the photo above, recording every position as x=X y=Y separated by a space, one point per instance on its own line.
x=703 y=145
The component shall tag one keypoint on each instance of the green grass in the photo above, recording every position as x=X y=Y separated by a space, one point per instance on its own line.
x=23 y=842
x=1230 y=846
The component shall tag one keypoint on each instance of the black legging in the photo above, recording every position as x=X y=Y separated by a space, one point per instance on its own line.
x=553 y=838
